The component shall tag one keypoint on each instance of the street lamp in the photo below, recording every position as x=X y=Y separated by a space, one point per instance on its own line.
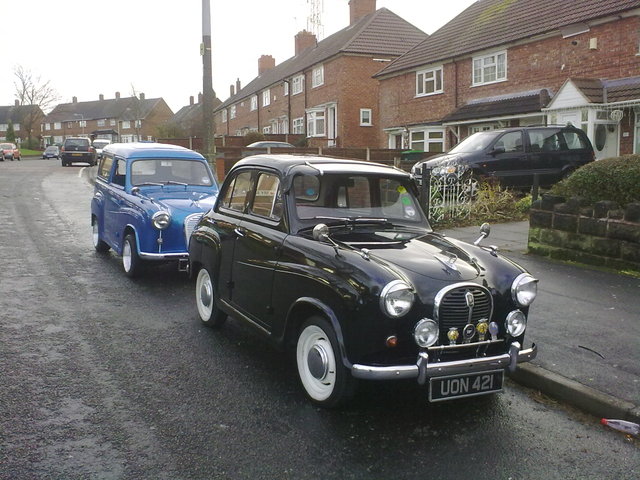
x=81 y=120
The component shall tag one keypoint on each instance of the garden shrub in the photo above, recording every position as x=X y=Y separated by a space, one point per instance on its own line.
x=253 y=136
x=615 y=179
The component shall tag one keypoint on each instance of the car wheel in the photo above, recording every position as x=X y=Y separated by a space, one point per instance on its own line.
x=98 y=243
x=210 y=314
x=131 y=262
x=325 y=380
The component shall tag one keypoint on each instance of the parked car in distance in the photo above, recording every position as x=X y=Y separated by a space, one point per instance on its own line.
x=147 y=199
x=514 y=155
x=269 y=144
x=335 y=260
x=77 y=149
x=52 y=151
x=10 y=151
x=99 y=144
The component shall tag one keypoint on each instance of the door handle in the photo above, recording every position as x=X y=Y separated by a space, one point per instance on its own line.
x=239 y=231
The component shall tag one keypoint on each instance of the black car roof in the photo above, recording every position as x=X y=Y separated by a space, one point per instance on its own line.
x=285 y=163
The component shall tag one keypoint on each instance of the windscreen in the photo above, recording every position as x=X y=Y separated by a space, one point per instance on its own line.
x=167 y=171
x=475 y=143
x=355 y=196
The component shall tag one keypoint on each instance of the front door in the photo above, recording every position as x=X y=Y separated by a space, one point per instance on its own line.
x=606 y=140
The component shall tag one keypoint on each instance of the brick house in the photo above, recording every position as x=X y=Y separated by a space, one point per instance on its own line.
x=326 y=91
x=519 y=62
x=118 y=119
x=188 y=120
x=25 y=120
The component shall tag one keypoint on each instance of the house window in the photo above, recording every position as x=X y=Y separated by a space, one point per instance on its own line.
x=298 y=125
x=224 y=116
x=429 y=82
x=101 y=123
x=232 y=112
x=266 y=98
x=428 y=140
x=69 y=124
x=285 y=88
x=636 y=144
x=297 y=85
x=57 y=125
x=365 y=117
x=490 y=68
x=126 y=124
x=47 y=126
x=16 y=127
x=317 y=77
x=266 y=129
x=138 y=123
x=112 y=122
x=254 y=103
x=284 y=125
x=82 y=123
x=316 y=123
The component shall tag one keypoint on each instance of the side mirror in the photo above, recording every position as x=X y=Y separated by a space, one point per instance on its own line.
x=321 y=232
x=485 y=230
x=497 y=150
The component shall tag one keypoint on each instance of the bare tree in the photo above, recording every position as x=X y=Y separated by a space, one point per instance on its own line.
x=32 y=91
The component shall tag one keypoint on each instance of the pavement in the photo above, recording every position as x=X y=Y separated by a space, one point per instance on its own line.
x=586 y=324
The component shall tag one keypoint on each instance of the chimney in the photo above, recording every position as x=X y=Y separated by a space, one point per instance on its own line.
x=191 y=100
x=360 y=8
x=74 y=100
x=101 y=97
x=199 y=98
x=142 y=96
x=17 y=103
x=238 y=84
x=117 y=95
x=265 y=62
x=304 y=40
x=231 y=91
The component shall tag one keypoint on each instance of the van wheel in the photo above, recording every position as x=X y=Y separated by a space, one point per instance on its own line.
x=131 y=262
x=98 y=243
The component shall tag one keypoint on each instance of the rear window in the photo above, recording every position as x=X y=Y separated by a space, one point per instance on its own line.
x=77 y=142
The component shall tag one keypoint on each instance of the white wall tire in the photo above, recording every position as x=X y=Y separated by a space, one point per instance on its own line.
x=206 y=302
x=323 y=376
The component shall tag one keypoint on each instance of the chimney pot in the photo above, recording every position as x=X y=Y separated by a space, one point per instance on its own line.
x=142 y=96
x=191 y=100
x=238 y=85
x=74 y=100
x=360 y=8
x=200 y=98
x=117 y=94
x=17 y=103
x=101 y=97
x=231 y=91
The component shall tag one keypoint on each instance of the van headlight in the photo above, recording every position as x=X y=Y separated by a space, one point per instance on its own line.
x=396 y=298
x=516 y=323
x=524 y=290
x=161 y=220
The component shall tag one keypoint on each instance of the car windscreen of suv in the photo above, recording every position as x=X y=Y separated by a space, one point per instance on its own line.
x=475 y=143
x=355 y=197
x=167 y=171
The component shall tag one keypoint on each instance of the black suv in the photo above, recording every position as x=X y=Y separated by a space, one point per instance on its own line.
x=77 y=149
x=514 y=155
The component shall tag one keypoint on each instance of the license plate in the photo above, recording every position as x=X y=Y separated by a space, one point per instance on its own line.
x=76 y=154
x=466 y=385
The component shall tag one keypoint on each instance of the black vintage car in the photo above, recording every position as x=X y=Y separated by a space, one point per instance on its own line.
x=335 y=260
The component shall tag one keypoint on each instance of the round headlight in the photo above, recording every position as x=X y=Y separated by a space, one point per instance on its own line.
x=161 y=220
x=524 y=290
x=516 y=323
x=396 y=298
x=426 y=332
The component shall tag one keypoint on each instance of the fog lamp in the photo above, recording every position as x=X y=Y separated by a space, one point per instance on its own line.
x=516 y=323
x=426 y=332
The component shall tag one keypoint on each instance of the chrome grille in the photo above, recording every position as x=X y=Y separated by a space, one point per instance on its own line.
x=452 y=309
x=190 y=223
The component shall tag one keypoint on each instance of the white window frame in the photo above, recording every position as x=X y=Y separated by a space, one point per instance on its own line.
x=112 y=122
x=4 y=127
x=481 y=65
x=317 y=76
x=254 y=103
x=126 y=124
x=102 y=122
x=316 y=122
x=266 y=129
x=138 y=123
x=285 y=88
x=232 y=112
x=224 y=116
x=266 y=98
x=297 y=85
x=298 y=125
x=429 y=82
x=57 y=125
x=438 y=137
x=366 y=117
x=47 y=126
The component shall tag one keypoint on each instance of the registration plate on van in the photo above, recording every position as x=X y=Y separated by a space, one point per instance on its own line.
x=466 y=385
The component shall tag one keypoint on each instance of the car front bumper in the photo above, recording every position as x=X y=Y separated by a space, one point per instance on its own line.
x=423 y=370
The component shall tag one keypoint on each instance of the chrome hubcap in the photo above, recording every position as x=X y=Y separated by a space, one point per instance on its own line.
x=318 y=362
x=205 y=293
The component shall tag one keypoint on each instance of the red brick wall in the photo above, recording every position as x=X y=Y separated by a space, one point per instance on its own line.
x=544 y=63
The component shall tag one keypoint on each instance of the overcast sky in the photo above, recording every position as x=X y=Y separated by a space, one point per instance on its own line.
x=87 y=47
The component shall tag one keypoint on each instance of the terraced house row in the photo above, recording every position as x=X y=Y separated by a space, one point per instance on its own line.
x=382 y=82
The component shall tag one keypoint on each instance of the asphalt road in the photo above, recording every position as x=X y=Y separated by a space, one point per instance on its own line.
x=103 y=377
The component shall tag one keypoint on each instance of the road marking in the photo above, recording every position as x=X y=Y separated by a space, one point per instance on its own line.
x=80 y=172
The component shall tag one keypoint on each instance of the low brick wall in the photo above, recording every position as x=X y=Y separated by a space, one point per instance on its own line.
x=602 y=234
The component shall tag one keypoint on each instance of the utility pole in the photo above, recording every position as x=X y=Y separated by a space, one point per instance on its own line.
x=209 y=145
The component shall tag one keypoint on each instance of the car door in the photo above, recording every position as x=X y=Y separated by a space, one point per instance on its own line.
x=260 y=236
x=114 y=202
x=100 y=195
x=509 y=161
x=547 y=150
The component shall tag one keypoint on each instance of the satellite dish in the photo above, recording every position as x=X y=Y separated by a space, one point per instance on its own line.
x=616 y=115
